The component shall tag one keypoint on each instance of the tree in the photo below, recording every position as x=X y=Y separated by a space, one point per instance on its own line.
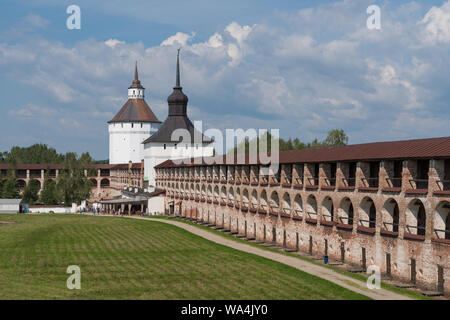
x=10 y=189
x=31 y=192
x=49 y=194
x=72 y=185
x=336 y=137
x=39 y=153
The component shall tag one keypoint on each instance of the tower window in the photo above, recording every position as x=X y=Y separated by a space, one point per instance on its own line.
x=175 y=146
x=142 y=125
x=164 y=146
x=132 y=125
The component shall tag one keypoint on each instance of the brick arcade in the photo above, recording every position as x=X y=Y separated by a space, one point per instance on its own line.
x=384 y=204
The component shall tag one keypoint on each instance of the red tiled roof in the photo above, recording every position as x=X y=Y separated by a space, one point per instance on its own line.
x=43 y=166
x=124 y=166
x=135 y=110
x=33 y=166
x=407 y=149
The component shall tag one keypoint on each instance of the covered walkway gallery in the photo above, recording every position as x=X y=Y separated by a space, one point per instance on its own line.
x=125 y=206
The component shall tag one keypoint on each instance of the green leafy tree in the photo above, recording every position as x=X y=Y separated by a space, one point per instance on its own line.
x=49 y=193
x=336 y=137
x=31 y=192
x=10 y=188
x=40 y=153
x=73 y=186
x=37 y=153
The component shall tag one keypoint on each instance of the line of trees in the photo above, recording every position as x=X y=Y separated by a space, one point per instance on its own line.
x=71 y=186
x=336 y=137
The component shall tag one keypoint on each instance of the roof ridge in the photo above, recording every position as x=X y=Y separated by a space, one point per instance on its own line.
x=401 y=149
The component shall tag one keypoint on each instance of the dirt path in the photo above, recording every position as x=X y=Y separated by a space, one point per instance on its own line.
x=311 y=268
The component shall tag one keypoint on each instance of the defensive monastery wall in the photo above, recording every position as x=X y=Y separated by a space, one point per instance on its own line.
x=107 y=180
x=395 y=220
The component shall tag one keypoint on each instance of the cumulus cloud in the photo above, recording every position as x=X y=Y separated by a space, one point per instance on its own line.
x=215 y=41
x=113 y=42
x=305 y=76
x=240 y=33
x=436 y=24
x=179 y=38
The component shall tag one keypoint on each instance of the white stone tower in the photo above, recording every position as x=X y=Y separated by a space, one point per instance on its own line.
x=133 y=124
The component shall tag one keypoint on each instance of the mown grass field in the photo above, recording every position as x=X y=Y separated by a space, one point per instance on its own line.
x=134 y=259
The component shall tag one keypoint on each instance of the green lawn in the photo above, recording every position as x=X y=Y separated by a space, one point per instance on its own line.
x=134 y=259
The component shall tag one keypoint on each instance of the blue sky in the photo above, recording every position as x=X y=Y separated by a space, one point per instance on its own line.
x=304 y=67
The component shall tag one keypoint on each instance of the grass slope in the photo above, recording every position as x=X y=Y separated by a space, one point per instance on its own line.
x=362 y=277
x=132 y=259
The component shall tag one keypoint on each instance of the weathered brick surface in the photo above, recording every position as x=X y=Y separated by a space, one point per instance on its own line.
x=292 y=233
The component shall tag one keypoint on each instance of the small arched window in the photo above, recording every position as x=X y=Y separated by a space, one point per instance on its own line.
x=164 y=146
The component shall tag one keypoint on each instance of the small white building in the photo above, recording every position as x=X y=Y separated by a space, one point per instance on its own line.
x=11 y=206
x=50 y=209
x=134 y=123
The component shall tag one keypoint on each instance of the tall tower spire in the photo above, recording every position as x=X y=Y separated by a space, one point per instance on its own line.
x=136 y=77
x=177 y=84
x=177 y=100
x=136 y=90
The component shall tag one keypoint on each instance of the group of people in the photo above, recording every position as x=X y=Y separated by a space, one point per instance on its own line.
x=93 y=210
x=98 y=210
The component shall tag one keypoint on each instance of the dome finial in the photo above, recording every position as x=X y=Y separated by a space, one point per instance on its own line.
x=177 y=85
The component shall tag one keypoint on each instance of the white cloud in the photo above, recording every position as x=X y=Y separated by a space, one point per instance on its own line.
x=236 y=51
x=45 y=81
x=35 y=20
x=215 y=41
x=272 y=95
x=113 y=42
x=437 y=24
x=235 y=54
x=179 y=38
x=288 y=73
x=240 y=33
x=32 y=110
x=69 y=123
